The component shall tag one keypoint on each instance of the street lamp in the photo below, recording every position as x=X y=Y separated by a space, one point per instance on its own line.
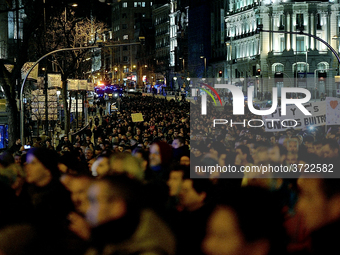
x=259 y=28
x=175 y=85
x=231 y=60
x=205 y=65
x=50 y=53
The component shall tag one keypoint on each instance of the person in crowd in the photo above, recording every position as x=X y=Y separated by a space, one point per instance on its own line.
x=230 y=230
x=114 y=204
x=330 y=149
x=101 y=166
x=159 y=159
x=17 y=157
x=16 y=146
x=63 y=142
x=50 y=202
x=318 y=203
x=278 y=154
x=190 y=224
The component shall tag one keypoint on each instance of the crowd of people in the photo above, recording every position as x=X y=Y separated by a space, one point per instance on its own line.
x=125 y=187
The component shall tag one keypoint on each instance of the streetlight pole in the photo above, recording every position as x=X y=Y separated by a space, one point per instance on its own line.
x=205 y=66
x=50 y=53
x=302 y=33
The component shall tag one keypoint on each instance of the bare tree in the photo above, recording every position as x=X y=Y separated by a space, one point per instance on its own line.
x=68 y=31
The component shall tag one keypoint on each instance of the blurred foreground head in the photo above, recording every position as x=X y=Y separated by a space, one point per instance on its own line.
x=112 y=198
x=247 y=223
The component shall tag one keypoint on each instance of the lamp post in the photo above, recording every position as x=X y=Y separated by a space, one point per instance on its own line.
x=205 y=65
x=46 y=55
x=231 y=60
x=259 y=28
x=336 y=37
x=175 y=84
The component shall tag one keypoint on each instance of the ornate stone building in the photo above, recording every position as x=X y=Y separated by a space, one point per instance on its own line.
x=275 y=59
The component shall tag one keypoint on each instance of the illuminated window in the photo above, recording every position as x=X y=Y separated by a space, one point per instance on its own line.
x=125 y=37
x=124 y=4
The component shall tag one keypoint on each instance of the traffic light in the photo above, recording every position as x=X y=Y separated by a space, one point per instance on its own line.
x=258 y=71
x=220 y=73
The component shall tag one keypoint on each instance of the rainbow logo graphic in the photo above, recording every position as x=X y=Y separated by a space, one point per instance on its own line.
x=211 y=95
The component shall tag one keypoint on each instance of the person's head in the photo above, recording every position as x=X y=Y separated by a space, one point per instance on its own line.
x=78 y=189
x=319 y=201
x=230 y=230
x=242 y=155
x=88 y=154
x=41 y=166
x=15 y=174
x=317 y=145
x=178 y=142
x=160 y=154
x=112 y=198
x=99 y=140
x=128 y=164
x=17 y=158
x=194 y=193
x=292 y=158
x=101 y=166
x=330 y=149
x=18 y=141
x=175 y=180
x=277 y=154
x=293 y=145
x=260 y=154
x=217 y=149
x=142 y=155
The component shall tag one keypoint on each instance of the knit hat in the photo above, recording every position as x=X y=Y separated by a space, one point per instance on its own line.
x=48 y=158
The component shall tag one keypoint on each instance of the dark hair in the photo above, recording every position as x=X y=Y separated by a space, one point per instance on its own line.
x=259 y=216
x=219 y=147
x=333 y=144
x=200 y=185
x=330 y=187
x=282 y=149
x=48 y=158
x=125 y=188
x=245 y=150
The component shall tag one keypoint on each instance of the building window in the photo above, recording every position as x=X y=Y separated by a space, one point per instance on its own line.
x=124 y=4
x=318 y=20
x=282 y=25
x=126 y=69
x=125 y=48
x=125 y=58
x=299 y=21
x=124 y=26
x=282 y=43
x=150 y=3
x=279 y=68
x=300 y=43
x=124 y=15
x=143 y=4
x=135 y=4
x=125 y=37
